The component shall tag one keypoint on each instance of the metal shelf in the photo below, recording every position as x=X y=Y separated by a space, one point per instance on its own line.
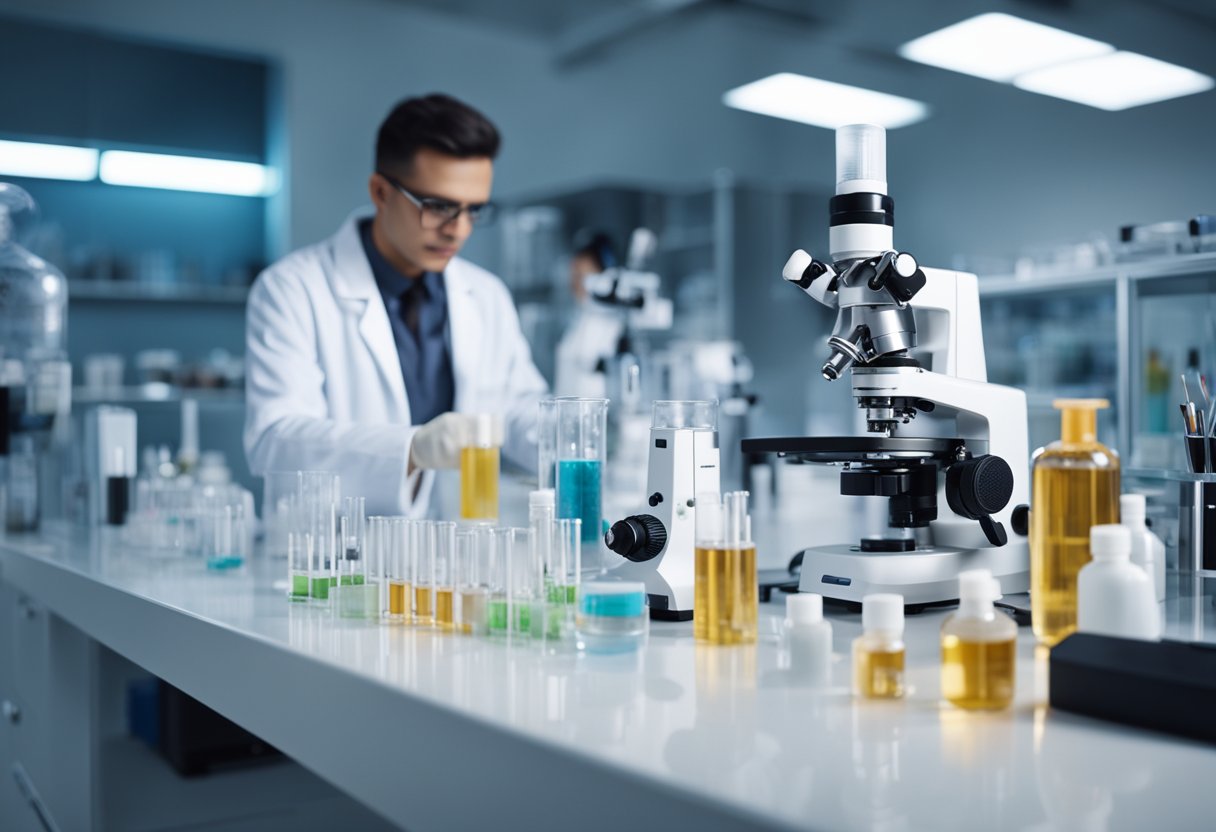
x=158 y=392
x=113 y=290
x=1181 y=265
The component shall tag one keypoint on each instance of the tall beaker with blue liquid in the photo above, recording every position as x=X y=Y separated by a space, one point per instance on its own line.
x=581 y=427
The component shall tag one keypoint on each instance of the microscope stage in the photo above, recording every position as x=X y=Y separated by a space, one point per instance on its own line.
x=869 y=449
x=923 y=576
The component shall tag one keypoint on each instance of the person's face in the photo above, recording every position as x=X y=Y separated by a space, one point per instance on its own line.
x=581 y=265
x=415 y=247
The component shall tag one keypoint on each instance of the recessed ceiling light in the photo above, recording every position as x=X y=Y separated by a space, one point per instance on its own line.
x=48 y=161
x=1116 y=81
x=999 y=47
x=186 y=173
x=823 y=103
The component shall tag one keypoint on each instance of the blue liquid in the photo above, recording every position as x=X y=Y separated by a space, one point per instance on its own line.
x=578 y=494
x=222 y=562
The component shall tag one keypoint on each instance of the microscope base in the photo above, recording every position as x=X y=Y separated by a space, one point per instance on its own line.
x=925 y=576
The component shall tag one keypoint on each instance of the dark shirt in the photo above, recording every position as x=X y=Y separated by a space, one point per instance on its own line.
x=426 y=360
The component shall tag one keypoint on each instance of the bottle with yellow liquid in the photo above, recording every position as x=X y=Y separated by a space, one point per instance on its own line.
x=979 y=647
x=878 y=653
x=1075 y=487
x=422 y=571
x=479 y=469
x=725 y=592
x=443 y=577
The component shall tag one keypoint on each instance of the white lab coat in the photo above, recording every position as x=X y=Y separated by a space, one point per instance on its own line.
x=589 y=341
x=323 y=385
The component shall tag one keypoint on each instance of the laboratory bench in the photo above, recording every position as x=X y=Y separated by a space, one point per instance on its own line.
x=430 y=730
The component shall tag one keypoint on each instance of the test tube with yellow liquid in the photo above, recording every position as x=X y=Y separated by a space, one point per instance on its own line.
x=479 y=468
x=442 y=579
x=422 y=558
x=725 y=592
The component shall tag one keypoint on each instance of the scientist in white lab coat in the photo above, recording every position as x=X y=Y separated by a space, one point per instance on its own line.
x=364 y=349
x=585 y=350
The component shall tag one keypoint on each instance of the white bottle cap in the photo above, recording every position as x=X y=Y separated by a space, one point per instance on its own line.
x=487 y=430
x=542 y=498
x=1132 y=509
x=804 y=608
x=883 y=612
x=1110 y=542
x=978 y=585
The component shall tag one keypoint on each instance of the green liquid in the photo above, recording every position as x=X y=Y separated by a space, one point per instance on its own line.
x=299 y=587
x=320 y=588
x=351 y=580
x=496 y=613
x=561 y=594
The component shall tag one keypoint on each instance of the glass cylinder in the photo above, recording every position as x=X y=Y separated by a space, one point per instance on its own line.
x=422 y=571
x=546 y=445
x=470 y=571
x=479 y=468
x=280 y=490
x=394 y=532
x=511 y=584
x=443 y=576
x=317 y=496
x=224 y=545
x=725 y=591
x=698 y=415
x=581 y=451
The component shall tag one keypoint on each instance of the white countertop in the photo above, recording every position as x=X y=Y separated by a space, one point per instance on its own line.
x=441 y=731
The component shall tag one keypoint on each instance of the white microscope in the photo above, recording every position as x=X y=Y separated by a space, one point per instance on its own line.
x=937 y=434
x=659 y=544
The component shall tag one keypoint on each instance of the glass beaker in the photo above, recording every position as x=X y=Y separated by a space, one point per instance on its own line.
x=725 y=591
x=581 y=451
x=479 y=468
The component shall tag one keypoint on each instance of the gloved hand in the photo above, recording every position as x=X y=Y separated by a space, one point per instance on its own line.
x=437 y=444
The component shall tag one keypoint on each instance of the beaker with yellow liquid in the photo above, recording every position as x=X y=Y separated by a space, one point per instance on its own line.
x=725 y=592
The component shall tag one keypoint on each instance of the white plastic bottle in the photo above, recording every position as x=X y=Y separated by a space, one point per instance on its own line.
x=1114 y=596
x=808 y=638
x=1148 y=550
x=878 y=653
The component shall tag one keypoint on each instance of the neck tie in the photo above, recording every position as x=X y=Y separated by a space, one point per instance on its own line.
x=411 y=306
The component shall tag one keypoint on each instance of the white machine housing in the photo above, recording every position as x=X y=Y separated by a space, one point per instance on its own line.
x=990 y=418
x=683 y=462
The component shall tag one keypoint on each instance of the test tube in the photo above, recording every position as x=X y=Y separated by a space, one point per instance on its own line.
x=357 y=593
x=444 y=534
x=299 y=565
x=470 y=570
x=422 y=557
x=546 y=445
x=725 y=592
x=581 y=448
x=396 y=552
x=352 y=525
x=318 y=500
x=511 y=583
x=225 y=545
x=557 y=588
x=479 y=468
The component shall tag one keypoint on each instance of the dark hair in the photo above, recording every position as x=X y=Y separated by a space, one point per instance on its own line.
x=435 y=121
x=597 y=245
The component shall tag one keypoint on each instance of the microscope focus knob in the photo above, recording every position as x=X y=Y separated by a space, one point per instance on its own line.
x=638 y=538
x=979 y=487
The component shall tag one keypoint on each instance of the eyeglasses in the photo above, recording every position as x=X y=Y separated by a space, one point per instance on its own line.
x=436 y=213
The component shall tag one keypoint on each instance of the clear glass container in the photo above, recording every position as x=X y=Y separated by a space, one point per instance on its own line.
x=612 y=616
x=1075 y=487
x=479 y=468
x=581 y=449
x=698 y=415
x=725 y=589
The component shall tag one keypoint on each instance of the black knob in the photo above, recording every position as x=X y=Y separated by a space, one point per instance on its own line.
x=655 y=499
x=1020 y=520
x=637 y=538
x=979 y=486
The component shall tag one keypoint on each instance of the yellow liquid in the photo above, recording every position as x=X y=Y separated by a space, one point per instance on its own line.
x=398 y=591
x=877 y=674
x=725 y=596
x=472 y=609
x=978 y=674
x=1076 y=486
x=478 y=483
x=443 y=607
x=422 y=604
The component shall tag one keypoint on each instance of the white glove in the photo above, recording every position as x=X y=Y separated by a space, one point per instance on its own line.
x=437 y=444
